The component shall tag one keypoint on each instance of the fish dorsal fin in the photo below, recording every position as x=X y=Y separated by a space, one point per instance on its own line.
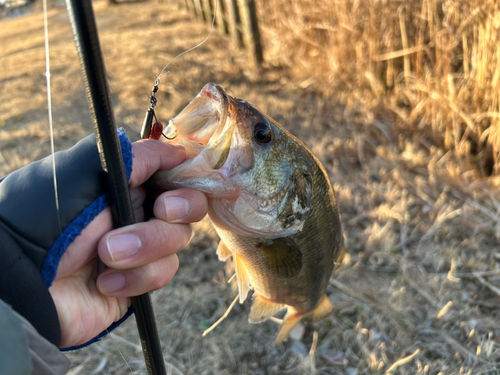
x=262 y=309
x=322 y=310
x=242 y=277
x=223 y=252
x=282 y=256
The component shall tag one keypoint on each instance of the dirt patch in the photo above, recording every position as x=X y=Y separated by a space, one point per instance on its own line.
x=423 y=260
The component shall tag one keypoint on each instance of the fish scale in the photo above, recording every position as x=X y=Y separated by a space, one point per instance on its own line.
x=317 y=266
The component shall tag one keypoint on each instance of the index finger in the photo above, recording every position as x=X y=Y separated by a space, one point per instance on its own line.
x=150 y=156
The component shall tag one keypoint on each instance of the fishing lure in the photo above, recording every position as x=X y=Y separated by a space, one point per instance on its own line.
x=149 y=129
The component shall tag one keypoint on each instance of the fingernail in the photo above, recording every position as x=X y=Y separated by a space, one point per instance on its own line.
x=177 y=208
x=123 y=246
x=111 y=283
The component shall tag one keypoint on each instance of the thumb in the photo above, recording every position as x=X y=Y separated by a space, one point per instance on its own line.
x=150 y=156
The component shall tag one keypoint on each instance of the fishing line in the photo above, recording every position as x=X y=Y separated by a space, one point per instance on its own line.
x=148 y=125
x=150 y=112
x=51 y=127
x=162 y=73
x=49 y=108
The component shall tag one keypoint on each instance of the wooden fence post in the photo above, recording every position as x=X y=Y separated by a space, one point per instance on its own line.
x=238 y=18
x=195 y=9
x=198 y=5
x=233 y=17
x=251 y=33
x=205 y=5
x=221 y=16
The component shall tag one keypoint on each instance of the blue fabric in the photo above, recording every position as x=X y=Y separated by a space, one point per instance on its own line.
x=55 y=253
x=51 y=263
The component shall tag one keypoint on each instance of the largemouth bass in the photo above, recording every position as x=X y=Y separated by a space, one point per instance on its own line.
x=270 y=200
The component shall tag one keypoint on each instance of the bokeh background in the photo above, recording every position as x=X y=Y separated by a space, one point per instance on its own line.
x=399 y=100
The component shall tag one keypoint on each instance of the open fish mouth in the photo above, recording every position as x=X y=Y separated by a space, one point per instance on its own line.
x=253 y=196
x=202 y=126
x=212 y=142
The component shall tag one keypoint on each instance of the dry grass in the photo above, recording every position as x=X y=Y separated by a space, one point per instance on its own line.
x=418 y=290
x=433 y=64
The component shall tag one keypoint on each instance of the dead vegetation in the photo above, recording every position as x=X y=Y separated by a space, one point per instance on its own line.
x=433 y=64
x=418 y=292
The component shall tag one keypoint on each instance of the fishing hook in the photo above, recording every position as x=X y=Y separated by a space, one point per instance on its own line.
x=150 y=130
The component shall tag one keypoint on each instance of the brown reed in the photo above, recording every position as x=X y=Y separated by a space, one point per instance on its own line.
x=434 y=64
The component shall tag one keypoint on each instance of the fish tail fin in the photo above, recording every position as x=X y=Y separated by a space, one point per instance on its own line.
x=262 y=309
x=322 y=310
x=242 y=277
x=289 y=321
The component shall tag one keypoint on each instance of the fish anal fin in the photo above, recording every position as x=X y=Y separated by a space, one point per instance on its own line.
x=242 y=277
x=262 y=309
x=223 y=252
x=321 y=311
x=289 y=321
x=282 y=256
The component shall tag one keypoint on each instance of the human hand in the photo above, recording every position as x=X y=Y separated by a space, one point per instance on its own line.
x=103 y=268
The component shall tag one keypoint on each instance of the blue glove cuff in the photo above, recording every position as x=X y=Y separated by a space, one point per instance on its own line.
x=55 y=253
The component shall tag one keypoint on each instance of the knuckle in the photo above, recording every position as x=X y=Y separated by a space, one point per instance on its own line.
x=156 y=279
x=188 y=234
x=174 y=262
x=161 y=272
x=176 y=236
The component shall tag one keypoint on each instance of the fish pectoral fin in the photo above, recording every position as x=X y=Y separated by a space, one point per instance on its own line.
x=223 y=252
x=262 y=309
x=289 y=321
x=282 y=256
x=242 y=277
x=322 y=310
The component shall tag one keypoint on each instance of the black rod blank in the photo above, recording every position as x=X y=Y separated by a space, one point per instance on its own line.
x=87 y=42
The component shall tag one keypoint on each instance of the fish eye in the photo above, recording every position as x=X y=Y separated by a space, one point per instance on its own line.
x=262 y=133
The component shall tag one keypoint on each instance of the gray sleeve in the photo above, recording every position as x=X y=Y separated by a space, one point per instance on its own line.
x=24 y=351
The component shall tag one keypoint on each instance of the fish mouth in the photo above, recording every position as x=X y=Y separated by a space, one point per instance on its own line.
x=215 y=129
x=203 y=127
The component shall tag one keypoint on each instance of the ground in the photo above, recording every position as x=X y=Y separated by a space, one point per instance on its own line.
x=419 y=289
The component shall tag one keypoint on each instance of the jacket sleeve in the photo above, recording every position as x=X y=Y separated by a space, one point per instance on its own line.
x=24 y=351
x=34 y=234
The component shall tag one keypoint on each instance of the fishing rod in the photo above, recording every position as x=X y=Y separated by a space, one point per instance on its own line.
x=84 y=28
